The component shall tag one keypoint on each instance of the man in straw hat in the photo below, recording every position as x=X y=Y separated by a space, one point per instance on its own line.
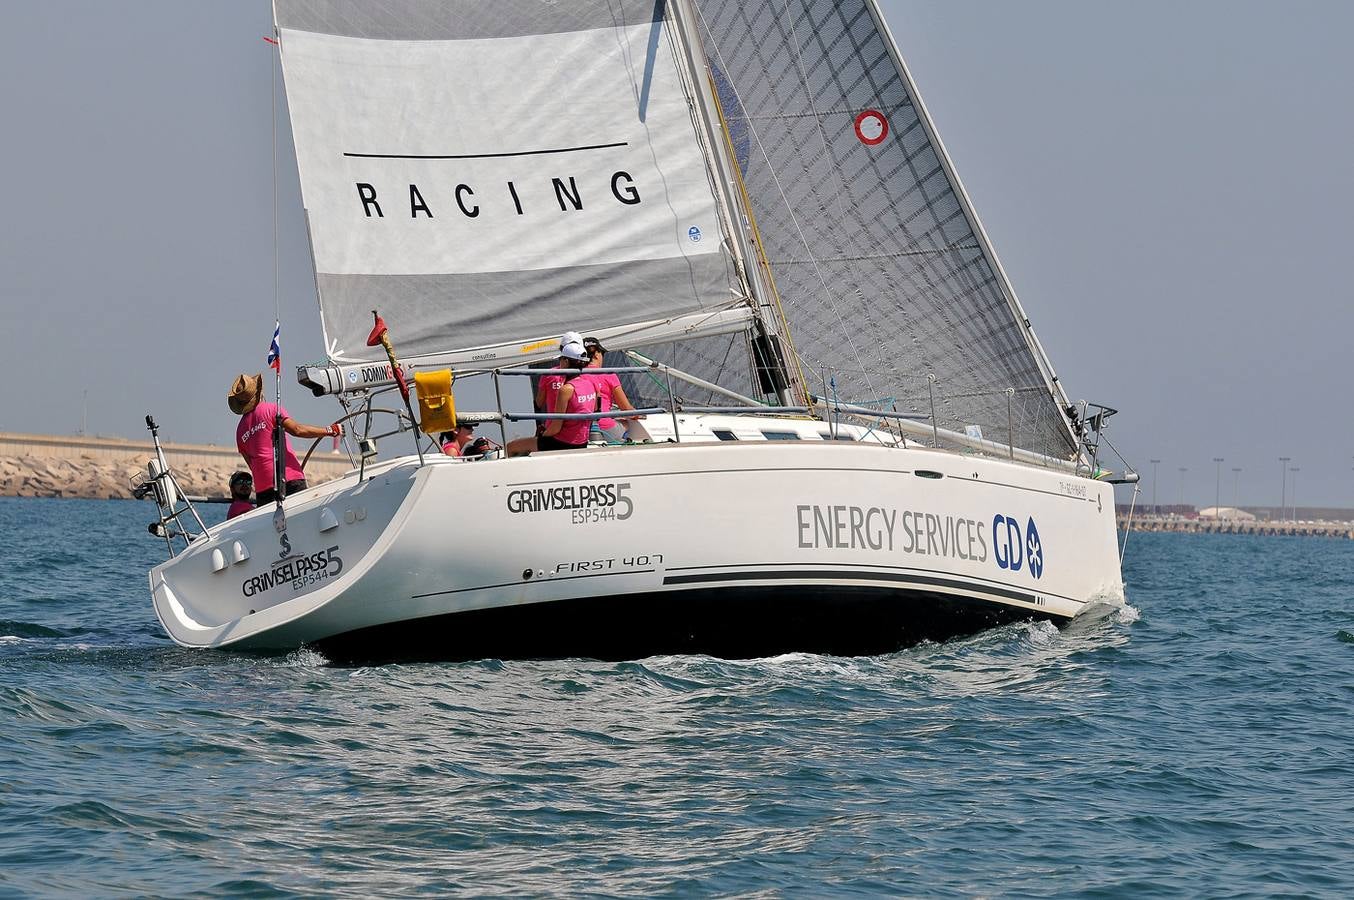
x=254 y=436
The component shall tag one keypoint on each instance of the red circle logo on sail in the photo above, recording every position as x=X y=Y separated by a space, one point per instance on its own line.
x=872 y=127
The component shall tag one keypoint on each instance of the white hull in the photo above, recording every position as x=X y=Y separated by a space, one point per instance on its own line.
x=737 y=549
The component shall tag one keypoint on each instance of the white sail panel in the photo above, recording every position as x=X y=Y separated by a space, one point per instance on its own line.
x=496 y=182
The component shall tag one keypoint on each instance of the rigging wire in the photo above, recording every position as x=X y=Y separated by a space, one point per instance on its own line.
x=789 y=208
x=1128 y=525
x=728 y=214
x=763 y=261
x=272 y=69
x=279 y=439
x=817 y=117
x=690 y=89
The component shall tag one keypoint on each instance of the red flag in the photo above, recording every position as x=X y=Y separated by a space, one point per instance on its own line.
x=379 y=336
x=377 y=332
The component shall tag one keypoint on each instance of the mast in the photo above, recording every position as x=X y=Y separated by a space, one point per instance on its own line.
x=772 y=338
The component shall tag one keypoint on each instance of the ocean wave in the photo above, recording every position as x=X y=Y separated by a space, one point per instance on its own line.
x=9 y=628
x=1127 y=615
x=303 y=658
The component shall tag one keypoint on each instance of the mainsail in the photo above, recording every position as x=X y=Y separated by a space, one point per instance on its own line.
x=485 y=173
x=884 y=272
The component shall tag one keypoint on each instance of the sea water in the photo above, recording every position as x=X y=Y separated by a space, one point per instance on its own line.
x=1196 y=742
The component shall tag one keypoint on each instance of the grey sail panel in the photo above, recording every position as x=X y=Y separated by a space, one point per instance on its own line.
x=489 y=173
x=494 y=307
x=883 y=276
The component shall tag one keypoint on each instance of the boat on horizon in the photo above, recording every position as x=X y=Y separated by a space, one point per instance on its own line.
x=857 y=441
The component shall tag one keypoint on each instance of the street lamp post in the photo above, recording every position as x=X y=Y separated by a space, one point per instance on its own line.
x=1217 y=489
x=1155 y=510
x=1283 y=494
x=1295 y=471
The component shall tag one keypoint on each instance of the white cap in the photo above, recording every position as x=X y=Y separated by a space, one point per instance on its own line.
x=573 y=350
x=569 y=337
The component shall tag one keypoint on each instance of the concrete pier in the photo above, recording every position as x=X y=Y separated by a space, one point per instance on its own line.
x=1184 y=525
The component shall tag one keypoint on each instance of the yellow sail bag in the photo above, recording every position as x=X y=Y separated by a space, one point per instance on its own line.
x=436 y=405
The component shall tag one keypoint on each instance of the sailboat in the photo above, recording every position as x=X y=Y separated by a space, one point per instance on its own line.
x=858 y=443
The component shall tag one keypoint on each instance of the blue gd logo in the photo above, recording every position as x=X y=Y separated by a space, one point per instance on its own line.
x=1013 y=548
x=694 y=233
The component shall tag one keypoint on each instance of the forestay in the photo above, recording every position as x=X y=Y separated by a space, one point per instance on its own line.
x=485 y=173
x=883 y=270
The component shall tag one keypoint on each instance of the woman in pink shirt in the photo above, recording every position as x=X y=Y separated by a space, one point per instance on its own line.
x=546 y=394
x=241 y=486
x=454 y=442
x=578 y=394
x=547 y=387
x=254 y=437
x=610 y=394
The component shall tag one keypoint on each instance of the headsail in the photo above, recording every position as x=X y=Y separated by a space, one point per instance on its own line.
x=883 y=269
x=485 y=173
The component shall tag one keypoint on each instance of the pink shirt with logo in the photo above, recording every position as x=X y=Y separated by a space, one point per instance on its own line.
x=606 y=383
x=549 y=389
x=254 y=440
x=584 y=400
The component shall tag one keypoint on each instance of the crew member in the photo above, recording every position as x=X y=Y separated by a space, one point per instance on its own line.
x=578 y=394
x=254 y=436
x=241 y=486
x=454 y=441
x=547 y=386
x=610 y=394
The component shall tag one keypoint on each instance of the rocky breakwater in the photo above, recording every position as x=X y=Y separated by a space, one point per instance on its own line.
x=35 y=476
x=109 y=468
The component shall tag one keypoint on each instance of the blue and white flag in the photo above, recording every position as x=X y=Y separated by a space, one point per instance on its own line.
x=275 y=350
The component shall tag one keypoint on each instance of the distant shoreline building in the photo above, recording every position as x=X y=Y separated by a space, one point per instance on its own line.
x=1226 y=512
x=1237 y=514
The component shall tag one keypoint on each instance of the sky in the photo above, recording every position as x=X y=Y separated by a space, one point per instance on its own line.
x=1168 y=186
